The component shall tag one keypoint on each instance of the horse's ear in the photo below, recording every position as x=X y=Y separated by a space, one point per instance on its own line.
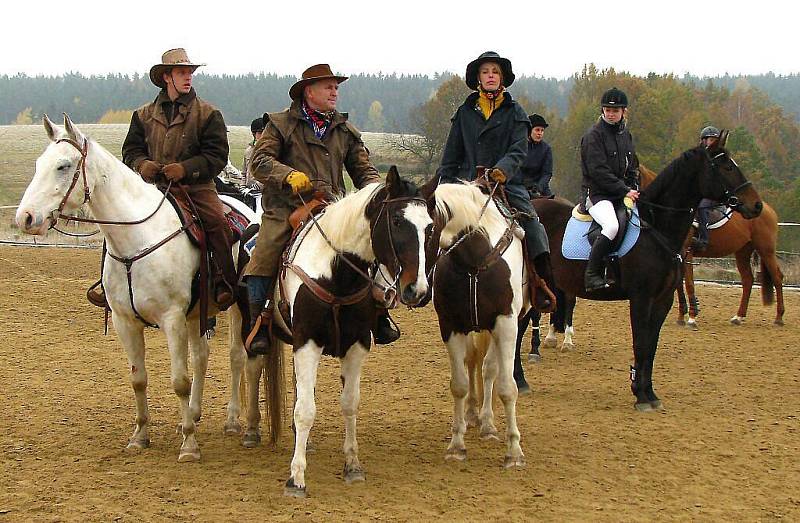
x=723 y=138
x=50 y=127
x=72 y=131
x=393 y=180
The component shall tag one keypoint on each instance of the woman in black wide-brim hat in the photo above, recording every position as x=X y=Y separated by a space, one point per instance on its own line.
x=491 y=129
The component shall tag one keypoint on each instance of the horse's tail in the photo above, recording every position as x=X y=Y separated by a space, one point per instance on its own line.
x=767 y=284
x=274 y=390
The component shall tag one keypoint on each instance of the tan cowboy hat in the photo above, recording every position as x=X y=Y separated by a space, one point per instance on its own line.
x=170 y=59
x=311 y=75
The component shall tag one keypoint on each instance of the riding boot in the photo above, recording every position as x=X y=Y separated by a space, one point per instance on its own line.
x=225 y=278
x=545 y=301
x=385 y=331
x=594 y=279
x=261 y=309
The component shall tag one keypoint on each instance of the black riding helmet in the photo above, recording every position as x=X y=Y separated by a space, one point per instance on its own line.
x=257 y=125
x=709 y=131
x=471 y=77
x=614 y=98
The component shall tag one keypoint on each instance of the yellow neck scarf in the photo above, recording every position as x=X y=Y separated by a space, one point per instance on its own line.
x=487 y=102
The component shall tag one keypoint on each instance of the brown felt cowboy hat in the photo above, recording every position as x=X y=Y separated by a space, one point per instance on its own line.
x=170 y=59
x=311 y=75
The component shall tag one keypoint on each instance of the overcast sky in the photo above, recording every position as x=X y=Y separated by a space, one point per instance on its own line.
x=543 y=38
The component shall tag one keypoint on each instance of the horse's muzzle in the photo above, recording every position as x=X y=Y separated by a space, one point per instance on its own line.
x=31 y=222
x=412 y=294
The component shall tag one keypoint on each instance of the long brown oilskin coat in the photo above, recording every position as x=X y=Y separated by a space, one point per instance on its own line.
x=289 y=144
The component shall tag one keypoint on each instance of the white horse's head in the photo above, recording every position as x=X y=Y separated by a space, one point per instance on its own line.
x=60 y=181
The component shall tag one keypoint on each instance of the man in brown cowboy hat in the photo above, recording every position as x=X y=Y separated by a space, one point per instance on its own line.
x=294 y=156
x=183 y=139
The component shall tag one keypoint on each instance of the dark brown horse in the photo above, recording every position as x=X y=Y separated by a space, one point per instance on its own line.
x=740 y=237
x=651 y=271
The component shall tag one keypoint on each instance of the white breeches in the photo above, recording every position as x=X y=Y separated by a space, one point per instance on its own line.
x=603 y=213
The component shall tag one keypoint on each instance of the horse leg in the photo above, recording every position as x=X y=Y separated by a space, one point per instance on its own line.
x=522 y=325
x=691 y=295
x=683 y=307
x=659 y=313
x=503 y=336
x=238 y=357
x=254 y=367
x=457 y=347
x=474 y=362
x=175 y=328
x=351 y=395
x=199 y=348
x=769 y=263
x=306 y=364
x=640 y=312
x=569 y=331
x=131 y=334
x=485 y=344
x=746 y=272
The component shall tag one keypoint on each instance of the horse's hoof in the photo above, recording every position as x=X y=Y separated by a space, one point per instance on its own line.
x=251 y=439
x=233 y=428
x=534 y=358
x=779 y=323
x=692 y=324
x=566 y=347
x=189 y=456
x=138 y=444
x=353 y=475
x=644 y=407
x=656 y=405
x=550 y=342
x=680 y=322
x=736 y=320
x=514 y=462
x=290 y=489
x=456 y=455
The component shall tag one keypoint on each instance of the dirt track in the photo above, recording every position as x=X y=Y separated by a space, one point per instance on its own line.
x=727 y=446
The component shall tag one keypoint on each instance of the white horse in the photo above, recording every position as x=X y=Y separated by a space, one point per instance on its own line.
x=380 y=223
x=74 y=170
x=479 y=292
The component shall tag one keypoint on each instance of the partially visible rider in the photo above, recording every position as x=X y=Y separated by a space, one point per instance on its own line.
x=708 y=137
x=610 y=173
x=256 y=128
x=537 y=169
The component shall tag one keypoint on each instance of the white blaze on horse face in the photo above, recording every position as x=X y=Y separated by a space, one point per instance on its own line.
x=54 y=171
x=417 y=214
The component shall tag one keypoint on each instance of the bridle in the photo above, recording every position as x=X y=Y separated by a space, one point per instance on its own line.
x=80 y=173
x=729 y=195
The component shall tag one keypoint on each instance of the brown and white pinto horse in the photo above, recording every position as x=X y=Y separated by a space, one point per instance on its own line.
x=328 y=287
x=478 y=293
x=651 y=271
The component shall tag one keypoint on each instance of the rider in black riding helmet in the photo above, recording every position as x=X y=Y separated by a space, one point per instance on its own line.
x=256 y=127
x=610 y=173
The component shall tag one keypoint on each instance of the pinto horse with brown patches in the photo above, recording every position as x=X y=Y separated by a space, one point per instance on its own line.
x=651 y=271
x=478 y=292
x=740 y=237
x=326 y=288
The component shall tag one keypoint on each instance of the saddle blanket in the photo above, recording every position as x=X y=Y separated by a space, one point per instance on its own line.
x=575 y=245
x=717 y=217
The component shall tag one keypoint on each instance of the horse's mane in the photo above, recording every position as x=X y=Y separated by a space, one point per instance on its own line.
x=462 y=204
x=347 y=214
x=665 y=177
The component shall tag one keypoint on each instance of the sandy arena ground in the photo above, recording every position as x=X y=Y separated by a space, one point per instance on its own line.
x=726 y=447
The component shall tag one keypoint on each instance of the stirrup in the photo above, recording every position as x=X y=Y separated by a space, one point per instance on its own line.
x=97 y=297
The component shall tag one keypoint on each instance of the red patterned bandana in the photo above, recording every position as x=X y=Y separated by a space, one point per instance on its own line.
x=319 y=121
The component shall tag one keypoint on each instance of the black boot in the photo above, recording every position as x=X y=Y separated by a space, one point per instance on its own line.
x=385 y=332
x=594 y=278
x=260 y=343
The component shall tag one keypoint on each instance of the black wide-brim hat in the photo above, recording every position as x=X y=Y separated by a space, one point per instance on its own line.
x=471 y=76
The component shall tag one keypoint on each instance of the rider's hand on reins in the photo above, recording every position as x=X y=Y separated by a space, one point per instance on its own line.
x=497 y=175
x=174 y=172
x=633 y=194
x=149 y=170
x=299 y=182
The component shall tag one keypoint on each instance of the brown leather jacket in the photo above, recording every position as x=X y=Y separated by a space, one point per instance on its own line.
x=289 y=144
x=196 y=137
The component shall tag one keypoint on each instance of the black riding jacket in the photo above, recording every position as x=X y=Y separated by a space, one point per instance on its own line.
x=608 y=161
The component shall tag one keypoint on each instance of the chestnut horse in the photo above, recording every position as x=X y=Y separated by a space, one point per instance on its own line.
x=651 y=271
x=740 y=237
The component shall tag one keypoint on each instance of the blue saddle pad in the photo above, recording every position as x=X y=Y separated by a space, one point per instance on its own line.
x=576 y=245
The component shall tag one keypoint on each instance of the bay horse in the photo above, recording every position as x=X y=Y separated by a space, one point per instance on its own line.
x=75 y=170
x=478 y=293
x=652 y=270
x=740 y=237
x=326 y=280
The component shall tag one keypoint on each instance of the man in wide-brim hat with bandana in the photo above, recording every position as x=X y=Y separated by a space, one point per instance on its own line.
x=302 y=149
x=183 y=139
